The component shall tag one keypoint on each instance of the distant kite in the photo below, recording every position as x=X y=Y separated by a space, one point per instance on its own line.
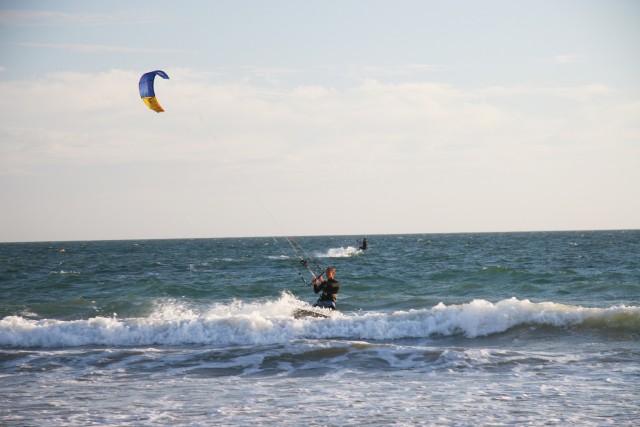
x=147 y=93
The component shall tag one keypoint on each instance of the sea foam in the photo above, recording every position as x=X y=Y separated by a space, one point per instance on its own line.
x=271 y=322
x=340 y=252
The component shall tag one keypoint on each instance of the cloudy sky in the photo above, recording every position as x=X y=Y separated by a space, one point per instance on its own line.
x=305 y=117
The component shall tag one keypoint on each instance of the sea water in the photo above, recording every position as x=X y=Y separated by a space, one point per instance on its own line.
x=432 y=329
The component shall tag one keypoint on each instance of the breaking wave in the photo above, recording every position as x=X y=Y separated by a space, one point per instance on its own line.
x=271 y=322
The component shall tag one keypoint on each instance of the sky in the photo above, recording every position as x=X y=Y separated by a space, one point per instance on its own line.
x=340 y=117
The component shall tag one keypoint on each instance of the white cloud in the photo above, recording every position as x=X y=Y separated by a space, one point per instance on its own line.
x=408 y=122
x=37 y=18
x=316 y=112
x=423 y=155
x=95 y=49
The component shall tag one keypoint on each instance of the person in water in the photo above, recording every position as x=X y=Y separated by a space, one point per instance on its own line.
x=363 y=244
x=329 y=288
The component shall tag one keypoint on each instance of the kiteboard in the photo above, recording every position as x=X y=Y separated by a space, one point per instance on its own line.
x=301 y=312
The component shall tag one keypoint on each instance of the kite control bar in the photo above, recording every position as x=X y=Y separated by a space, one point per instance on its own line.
x=300 y=252
x=305 y=264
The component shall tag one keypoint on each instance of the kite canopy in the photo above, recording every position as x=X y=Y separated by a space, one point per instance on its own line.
x=147 y=93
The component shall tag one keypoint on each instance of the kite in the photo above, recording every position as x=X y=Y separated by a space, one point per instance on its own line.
x=147 y=93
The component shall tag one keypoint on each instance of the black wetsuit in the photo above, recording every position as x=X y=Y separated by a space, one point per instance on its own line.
x=329 y=288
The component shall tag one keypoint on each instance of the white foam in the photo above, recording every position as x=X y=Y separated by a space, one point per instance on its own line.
x=270 y=322
x=339 y=252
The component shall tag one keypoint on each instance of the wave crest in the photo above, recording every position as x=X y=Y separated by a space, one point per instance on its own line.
x=271 y=322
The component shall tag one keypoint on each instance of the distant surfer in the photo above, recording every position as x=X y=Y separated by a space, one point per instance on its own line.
x=363 y=244
x=329 y=288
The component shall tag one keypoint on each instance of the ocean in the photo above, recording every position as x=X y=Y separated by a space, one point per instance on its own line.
x=493 y=329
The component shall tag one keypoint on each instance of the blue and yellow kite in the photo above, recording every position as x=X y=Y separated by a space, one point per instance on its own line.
x=147 y=93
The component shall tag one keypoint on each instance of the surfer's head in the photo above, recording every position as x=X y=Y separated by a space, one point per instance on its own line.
x=330 y=272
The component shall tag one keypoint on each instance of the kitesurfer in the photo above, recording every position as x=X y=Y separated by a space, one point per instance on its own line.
x=363 y=244
x=329 y=288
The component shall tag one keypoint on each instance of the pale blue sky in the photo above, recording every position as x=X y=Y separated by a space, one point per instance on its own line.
x=405 y=116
